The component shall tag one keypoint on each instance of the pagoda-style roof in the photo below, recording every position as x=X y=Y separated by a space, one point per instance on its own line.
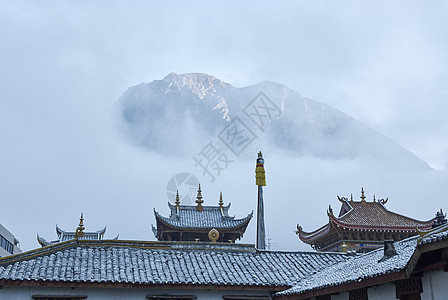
x=362 y=216
x=187 y=216
x=70 y=235
x=195 y=222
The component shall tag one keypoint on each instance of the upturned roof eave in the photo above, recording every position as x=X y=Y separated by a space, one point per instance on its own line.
x=244 y=222
x=309 y=237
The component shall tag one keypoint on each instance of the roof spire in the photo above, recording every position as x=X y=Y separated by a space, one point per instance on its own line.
x=199 y=200
x=80 y=230
x=177 y=199
x=363 y=197
x=374 y=199
x=351 y=197
x=221 y=202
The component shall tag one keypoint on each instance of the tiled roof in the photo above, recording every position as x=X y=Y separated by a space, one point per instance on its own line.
x=367 y=216
x=357 y=268
x=187 y=216
x=152 y=263
x=369 y=265
x=70 y=235
x=375 y=215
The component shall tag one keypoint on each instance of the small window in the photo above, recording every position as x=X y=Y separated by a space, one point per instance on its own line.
x=58 y=297
x=171 y=297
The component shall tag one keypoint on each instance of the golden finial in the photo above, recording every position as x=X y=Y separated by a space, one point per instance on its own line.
x=199 y=200
x=177 y=199
x=80 y=230
x=221 y=202
x=363 y=197
x=351 y=197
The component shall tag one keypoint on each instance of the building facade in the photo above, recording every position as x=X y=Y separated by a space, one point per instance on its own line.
x=8 y=243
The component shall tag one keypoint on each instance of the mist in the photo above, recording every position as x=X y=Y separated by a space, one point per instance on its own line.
x=64 y=65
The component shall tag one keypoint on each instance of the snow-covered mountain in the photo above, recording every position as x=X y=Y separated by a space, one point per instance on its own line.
x=181 y=113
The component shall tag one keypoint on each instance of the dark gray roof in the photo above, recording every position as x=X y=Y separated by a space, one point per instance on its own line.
x=368 y=265
x=153 y=263
x=186 y=216
x=70 y=235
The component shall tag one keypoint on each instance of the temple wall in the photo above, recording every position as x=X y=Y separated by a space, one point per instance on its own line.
x=435 y=285
x=381 y=292
x=20 y=293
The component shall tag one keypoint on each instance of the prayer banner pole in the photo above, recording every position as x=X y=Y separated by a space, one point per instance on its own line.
x=260 y=181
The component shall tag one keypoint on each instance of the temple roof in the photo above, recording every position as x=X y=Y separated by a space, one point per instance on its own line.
x=187 y=216
x=70 y=235
x=363 y=215
x=373 y=264
x=136 y=263
x=368 y=215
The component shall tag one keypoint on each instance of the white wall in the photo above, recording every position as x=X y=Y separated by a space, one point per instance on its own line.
x=21 y=293
x=435 y=285
x=382 y=292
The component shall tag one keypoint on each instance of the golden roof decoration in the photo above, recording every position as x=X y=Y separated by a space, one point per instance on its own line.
x=199 y=200
x=177 y=199
x=213 y=235
x=80 y=230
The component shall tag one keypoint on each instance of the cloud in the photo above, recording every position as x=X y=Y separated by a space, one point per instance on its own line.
x=66 y=63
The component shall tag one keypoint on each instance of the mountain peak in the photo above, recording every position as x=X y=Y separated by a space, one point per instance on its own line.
x=198 y=83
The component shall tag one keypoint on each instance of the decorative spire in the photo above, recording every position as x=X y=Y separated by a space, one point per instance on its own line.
x=221 y=202
x=374 y=199
x=177 y=199
x=363 y=197
x=351 y=197
x=80 y=230
x=199 y=200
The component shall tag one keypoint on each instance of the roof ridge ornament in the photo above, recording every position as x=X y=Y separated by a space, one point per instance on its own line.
x=80 y=230
x=177 y=199
x=383 y=201
x=221 y=202
x=199 y=200
x=363 y=197
x=351 y=197
x=342 y=199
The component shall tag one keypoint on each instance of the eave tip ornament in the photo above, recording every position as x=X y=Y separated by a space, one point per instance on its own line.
x=260 y=176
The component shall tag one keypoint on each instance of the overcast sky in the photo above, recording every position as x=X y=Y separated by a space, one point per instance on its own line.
x=64 y=63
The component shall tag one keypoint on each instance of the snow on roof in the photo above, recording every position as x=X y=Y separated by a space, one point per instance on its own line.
x=375 y=215
x=211 y=217
x=366 y=266
x=152 y=263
